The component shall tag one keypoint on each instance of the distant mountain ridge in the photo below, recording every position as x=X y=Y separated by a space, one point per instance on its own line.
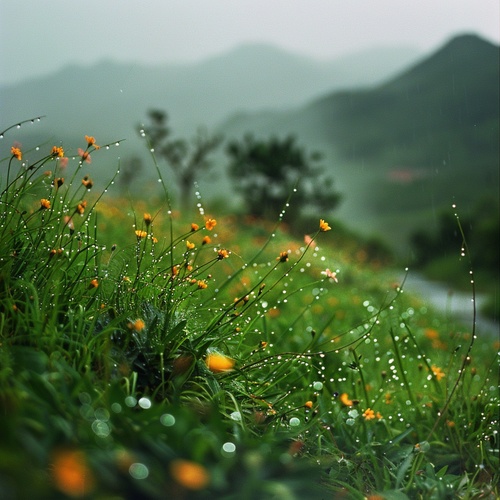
x=108 y=99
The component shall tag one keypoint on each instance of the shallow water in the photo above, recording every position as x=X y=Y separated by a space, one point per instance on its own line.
x=456 y=305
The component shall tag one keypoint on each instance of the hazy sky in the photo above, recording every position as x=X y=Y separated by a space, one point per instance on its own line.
x=40 y=36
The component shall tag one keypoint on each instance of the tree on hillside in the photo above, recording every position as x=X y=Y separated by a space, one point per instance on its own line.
x=266 y=172
x=188 y=160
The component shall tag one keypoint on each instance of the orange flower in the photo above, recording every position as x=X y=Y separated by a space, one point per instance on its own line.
x=369 y=414
x=438 y=373
x=71 y=474
x=44 y=204
x=218 y=363
x=194 y=227
x=324 y=226
x=344 y=398
x=308 y=404
x=206 y=240
x=189 y=474
x=94 y=283
x=58 y=182
x=147 y=219
x=283 y=257
x=210 y=224
x=81 y=207
x=201 y=284
x=222 y=254
x=140 y=234
x=16 y=153
x=85 y=155
x=91 y=141
x=57 y=151
x=138 y=325
x=87 y=182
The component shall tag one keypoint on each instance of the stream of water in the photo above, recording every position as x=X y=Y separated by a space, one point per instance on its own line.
x=454 y=304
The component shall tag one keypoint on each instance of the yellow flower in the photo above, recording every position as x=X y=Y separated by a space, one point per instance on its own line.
x=308 y=404
x=140 y=234
x=210 y=224
x=57 y=151
x=324 y=226
x=147 y=219
x=344 y=398
x=16 y=153
x=189 y=245
x=438 y=373
x=91 y=141
x=81 y=207
x=71 y=474
x=138 y=325
x=44 y=204
x=283 y=257
x=222 y=254
x=218 y=363
x=201 y=284
x=369 y=414
x=189 y=474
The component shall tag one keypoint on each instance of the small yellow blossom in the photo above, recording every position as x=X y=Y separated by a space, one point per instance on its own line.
x=94 y=283
x=189 y=245
x=324 y=226
x=201 y=284
x=140 y=234
x=283 y=257
x=81 y=207
x=137 y=325
x=344 y=399
x=57 y=151
x=16 y=153
x=210 y=224
x=190 y=475
x=308 y=404
x=218 y=363
x=44 y=204
x=438 y=373
x=194 y=227
x=154 y=239
x=147 y=219
x=369 y=414
x=222 y=254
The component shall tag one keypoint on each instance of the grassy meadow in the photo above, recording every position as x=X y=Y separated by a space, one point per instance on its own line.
x=150 y=353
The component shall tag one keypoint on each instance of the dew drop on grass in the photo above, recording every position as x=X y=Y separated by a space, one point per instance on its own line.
x=145 y=403
x=167 y=420
x=138 y=471
x=130 y=401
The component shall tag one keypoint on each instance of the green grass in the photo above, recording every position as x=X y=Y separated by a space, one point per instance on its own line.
x=140 y=359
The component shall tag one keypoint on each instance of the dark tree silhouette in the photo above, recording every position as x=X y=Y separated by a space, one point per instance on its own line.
x=266 y=172
x=188 y=160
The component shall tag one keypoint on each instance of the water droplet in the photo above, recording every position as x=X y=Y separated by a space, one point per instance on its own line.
x=138 y=471
x=167 y=420
x=145 y=403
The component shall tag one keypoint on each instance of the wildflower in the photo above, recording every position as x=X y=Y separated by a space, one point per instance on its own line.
x=16 y=153
x=91 y=141
x=369 y=414
x=189 y=245
x=438 y=373
x=57 y=151
x=324 y=226
x=210 y=224
x=283 y=257
x=189 y=474
x=206 y=240
x=44 y=204
x=175 y=271
x=87 y=182
x=154 y=239
x=58 y=182
x=68 y=221
x=63 y=162
x=147 y=219
x=388 y=398
x=308 y=404
x=201 y=284
x=222 y=254
x=94 y=283
x=71 y=474
x=194 y=227
x=263 y=344
x=80 y=208
x=218 y=363
x=344 y=398
x=308 y=240
x=140 y=234
x=330 y=274
x=85 y=155
x=137 y=325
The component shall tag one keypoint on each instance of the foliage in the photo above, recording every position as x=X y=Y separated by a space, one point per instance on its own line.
x=187 y=160
x=265 y=172
x=145 y=355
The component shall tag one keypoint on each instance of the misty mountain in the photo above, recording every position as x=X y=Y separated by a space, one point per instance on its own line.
x=108 y=99
x=408 y=147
